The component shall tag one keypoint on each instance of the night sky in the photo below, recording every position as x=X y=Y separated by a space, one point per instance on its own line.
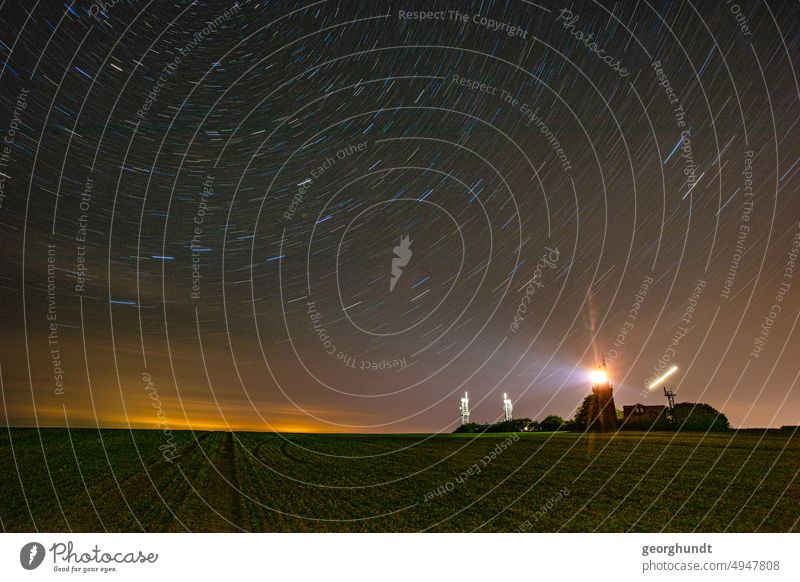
x=340 y=216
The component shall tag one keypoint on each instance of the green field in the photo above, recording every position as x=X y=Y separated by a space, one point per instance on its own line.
x=117 y=480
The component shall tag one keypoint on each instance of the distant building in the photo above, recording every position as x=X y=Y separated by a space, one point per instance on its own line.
x=643 y=415
x=642 y=411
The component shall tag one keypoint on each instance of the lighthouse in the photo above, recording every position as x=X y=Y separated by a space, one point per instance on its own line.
x=602 y=412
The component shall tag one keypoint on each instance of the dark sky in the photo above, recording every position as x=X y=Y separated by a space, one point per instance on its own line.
x=209 y=241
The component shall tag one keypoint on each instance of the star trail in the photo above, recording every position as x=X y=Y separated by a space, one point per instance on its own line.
x=341 y=216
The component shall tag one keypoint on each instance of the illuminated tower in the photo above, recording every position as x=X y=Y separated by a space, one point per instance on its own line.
x=602 y=412
x=507 y=408
x=465 y=409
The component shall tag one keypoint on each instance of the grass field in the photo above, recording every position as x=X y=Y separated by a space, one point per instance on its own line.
x=117 y=480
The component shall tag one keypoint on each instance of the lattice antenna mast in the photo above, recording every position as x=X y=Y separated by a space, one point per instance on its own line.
x=671 y=408
x=508 y=408
x=670 y=397
x=465 y=409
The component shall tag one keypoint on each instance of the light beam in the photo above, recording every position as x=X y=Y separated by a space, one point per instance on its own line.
x=666 y=374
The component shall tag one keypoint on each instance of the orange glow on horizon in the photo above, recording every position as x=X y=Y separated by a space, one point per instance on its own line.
x=143 y=422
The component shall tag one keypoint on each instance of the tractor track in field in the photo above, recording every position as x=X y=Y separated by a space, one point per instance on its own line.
x=256 y=452
x=214 y=494
x=237 y=515
x=285 y=451
x=82 y=519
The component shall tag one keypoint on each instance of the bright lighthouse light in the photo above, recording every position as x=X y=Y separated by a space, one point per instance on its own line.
x=599 y=377
x=666 y=375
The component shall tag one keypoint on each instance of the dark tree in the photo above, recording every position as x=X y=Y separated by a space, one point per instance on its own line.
x=581 y=418
x=552 y=423
x=692 y=416
x=469 y=427
x=516 y=425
